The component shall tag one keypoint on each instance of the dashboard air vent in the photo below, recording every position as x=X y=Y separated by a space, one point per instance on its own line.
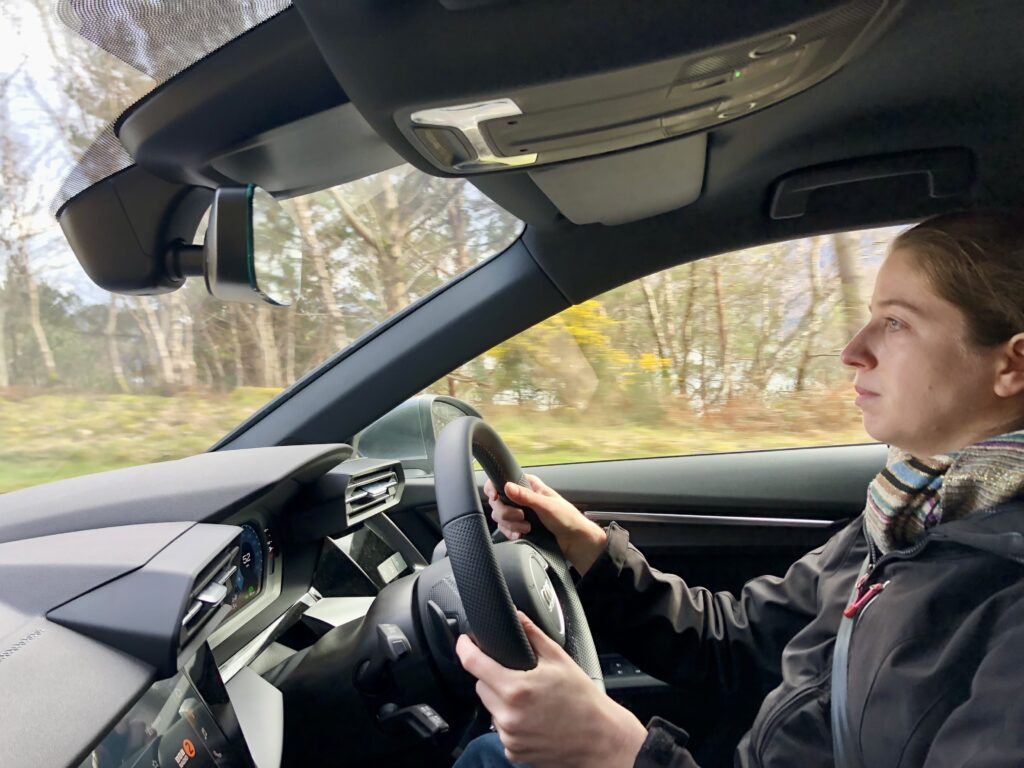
x=214 y=588
x=370 y=493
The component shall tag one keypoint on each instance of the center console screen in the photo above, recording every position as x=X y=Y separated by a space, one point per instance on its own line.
x=184 y=722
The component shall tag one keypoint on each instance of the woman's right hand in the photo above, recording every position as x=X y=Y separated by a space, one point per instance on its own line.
x=581 y=540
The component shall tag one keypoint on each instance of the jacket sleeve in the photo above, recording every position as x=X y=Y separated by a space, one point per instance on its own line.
x=987 y=730
x=688 y=636
x=664 y=747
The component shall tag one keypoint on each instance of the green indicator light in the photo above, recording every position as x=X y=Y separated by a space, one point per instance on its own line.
x=738 y=73
x=252 y=589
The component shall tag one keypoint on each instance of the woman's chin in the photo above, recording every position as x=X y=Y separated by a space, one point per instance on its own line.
x=875 y=429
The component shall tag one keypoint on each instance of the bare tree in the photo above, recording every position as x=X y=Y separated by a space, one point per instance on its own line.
x=318 y=255
x=723 y=335
x=654 y=318
x=5 y=375
x=814 y=297
x=116 y=366
x=685 y=338
x=850 y=283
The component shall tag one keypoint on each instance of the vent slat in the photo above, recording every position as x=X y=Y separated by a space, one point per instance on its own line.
x=370 y=492
x=211 y=590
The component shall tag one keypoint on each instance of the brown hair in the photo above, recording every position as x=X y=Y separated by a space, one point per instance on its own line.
x=975 y=261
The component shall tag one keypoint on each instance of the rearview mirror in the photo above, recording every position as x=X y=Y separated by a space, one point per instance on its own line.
x=252 y=252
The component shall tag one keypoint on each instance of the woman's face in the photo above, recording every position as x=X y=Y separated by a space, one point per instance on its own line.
x=921 y=385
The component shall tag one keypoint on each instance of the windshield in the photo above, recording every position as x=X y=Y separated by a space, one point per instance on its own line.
x=92 y=381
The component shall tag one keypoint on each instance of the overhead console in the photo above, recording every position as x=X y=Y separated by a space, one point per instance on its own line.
x=621 y=98
x=693 y=92
x=515 y=101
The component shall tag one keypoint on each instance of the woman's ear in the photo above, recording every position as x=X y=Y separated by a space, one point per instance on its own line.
x=1010 y=376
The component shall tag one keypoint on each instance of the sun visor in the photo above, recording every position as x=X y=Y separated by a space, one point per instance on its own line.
x=627 y=186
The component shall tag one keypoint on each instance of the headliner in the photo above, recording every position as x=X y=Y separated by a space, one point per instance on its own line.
x=942 y=76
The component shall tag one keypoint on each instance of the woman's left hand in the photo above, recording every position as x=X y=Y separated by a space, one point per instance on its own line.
x=552 y=715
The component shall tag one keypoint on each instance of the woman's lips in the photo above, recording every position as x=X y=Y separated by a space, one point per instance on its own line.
x=863 y=395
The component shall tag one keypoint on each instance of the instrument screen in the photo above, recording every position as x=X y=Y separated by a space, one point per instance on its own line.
x=250 y=576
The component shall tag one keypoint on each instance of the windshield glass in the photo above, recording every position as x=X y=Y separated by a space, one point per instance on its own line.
x=92 y=381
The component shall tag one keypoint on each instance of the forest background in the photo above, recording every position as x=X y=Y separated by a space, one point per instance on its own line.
x=736 y=352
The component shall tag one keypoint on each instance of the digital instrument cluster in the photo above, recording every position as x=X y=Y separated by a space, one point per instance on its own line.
x=251 y=574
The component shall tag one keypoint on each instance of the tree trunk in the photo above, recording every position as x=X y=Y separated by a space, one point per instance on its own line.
x=206 y=371
x=386 y=247
x=174 y=330
x=5 y=375
x=757 y=377
x=849 y=283
x=236 y=349
x=324 y=274
x=395 y=291
x=812 y=315
x=703 y=365
x=268 y=347
x=36 y=322
x=152 y=357
x=116 y=367
x=655 y=320
x=684 y=334
x=289 y=345
x=218 y=376
x=180 y=345
x=457 y=222
x=723 y=338
x=164 y=359
x=189 y=352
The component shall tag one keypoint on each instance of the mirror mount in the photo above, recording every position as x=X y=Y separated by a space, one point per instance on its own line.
x=185 y=260
x=133 y=234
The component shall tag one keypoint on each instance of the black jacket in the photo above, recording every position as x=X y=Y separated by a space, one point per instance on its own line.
x=936 y=659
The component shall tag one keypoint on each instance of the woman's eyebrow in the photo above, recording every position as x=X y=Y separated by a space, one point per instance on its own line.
x=899 y=303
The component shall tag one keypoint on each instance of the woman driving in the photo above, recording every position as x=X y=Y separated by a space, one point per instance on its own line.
x=898 y=642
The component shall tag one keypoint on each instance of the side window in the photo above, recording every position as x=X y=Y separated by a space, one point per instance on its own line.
x=736 y=352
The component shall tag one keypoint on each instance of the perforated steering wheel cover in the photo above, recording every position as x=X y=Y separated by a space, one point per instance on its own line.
x=481 y=584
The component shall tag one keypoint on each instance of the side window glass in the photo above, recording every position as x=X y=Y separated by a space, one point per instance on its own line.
x=736 y=352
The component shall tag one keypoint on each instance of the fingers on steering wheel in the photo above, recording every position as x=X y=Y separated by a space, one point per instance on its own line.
x=514 y=530
x=511 y=520
x=503 y=513
x=539 y=485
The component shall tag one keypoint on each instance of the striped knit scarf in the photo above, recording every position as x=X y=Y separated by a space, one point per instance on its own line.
x=912 y=494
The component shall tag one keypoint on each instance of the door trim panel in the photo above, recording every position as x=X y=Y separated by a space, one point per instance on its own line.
x=671 y=518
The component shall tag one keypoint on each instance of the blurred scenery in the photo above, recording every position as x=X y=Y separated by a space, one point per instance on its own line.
x=736 y=352
x=732 y=353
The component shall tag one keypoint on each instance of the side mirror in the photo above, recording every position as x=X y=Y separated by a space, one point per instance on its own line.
x=252 y=252
x=409 y=432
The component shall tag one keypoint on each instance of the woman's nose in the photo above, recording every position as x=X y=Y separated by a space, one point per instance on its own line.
x=856 y=352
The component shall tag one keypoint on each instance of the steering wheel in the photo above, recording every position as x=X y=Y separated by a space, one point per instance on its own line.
x=481 y=583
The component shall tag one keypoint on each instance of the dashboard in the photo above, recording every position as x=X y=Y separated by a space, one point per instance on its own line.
x=150 y=597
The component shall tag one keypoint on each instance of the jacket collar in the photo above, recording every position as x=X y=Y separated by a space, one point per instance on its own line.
x=999 y=530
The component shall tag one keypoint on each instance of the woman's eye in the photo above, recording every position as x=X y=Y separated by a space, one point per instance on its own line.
x=893 y=324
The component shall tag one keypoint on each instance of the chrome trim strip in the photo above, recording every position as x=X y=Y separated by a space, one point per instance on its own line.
x=730 y=520
x=466 y=119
